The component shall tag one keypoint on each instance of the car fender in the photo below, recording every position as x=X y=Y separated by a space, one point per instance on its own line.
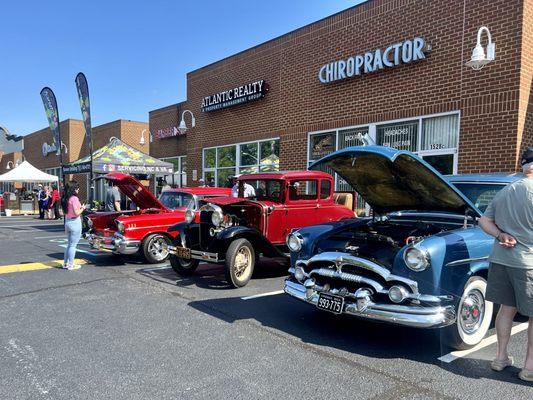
x=260 y=243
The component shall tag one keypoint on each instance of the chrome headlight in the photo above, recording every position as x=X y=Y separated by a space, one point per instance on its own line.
x=217 y=218
x=416 y=259
x=295 y=241
x=120 y=227
x=189 y=216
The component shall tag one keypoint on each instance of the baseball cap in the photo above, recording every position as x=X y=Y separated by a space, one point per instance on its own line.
x=527 y=157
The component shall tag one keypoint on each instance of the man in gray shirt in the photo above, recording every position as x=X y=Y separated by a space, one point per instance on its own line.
x=112 y=198
x=509 y=218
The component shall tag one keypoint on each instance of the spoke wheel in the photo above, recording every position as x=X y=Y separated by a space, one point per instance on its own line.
x=240 y=262
x=154 y=249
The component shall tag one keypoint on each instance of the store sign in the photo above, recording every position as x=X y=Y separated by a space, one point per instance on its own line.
x=48 y=148
x=396 y=54
x=169 y=132
x=232 y=97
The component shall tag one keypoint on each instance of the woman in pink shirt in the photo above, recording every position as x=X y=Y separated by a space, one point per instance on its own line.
x=72 y=208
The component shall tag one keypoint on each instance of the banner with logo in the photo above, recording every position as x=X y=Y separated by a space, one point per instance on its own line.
x=50 y=107
x=83 y=95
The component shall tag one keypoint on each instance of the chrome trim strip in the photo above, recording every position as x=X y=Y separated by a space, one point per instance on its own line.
x=465 y=261
x=413 y=316
x=339 y=259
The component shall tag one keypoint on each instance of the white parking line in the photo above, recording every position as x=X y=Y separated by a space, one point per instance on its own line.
x=255 y=296
x=24 y=226
x=50 y=237
x=454 y=355
x=156 y=269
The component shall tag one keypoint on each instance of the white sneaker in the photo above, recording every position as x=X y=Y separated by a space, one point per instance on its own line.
x=73 y=267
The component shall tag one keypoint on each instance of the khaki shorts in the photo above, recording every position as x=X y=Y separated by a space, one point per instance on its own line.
x=511 y=287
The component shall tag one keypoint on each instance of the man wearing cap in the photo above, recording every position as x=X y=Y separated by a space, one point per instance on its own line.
x=509 y=218
x=201 y=183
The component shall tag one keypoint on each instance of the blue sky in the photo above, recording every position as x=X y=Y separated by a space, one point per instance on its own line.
x=135 y=54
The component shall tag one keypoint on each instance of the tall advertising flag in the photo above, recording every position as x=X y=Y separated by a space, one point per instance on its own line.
x=83 y=95
x=50 y=107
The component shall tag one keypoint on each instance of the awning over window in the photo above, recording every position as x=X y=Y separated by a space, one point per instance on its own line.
x=117 y=156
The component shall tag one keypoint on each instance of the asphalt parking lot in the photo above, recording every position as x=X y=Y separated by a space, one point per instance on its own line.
x=121 y=329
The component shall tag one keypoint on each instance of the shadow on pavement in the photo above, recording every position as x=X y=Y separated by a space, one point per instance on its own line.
x=345 y=333
x=211 y=276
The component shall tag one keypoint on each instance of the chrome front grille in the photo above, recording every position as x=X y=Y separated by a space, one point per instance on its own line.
x=361 y=271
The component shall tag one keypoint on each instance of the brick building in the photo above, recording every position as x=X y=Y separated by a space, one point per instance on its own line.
x=39 y=152
x=394 y=69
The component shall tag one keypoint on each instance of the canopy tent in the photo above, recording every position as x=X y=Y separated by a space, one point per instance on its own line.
x=26 y=172
x=120 y=157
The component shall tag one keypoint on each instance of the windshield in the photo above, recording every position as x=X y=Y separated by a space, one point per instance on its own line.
x=261 y=189
x=481 y=194
x=174 y=200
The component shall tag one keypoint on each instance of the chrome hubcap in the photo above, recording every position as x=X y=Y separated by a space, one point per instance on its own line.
x=472 y=311
x=243 y=261
x=156 y=248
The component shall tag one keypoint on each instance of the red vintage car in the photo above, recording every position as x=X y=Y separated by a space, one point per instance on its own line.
x=145 y=229
x=234 y=231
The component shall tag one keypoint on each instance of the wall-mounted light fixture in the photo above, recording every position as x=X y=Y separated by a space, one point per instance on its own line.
x=183 y=126
x=479 y=59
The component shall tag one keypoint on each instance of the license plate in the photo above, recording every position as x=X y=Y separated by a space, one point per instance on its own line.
x=331 y=303
x=183 y=252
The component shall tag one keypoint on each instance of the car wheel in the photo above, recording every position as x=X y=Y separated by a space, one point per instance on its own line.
x=183 y=267
x=240 y=262
x=474 y=315
x=154 y=250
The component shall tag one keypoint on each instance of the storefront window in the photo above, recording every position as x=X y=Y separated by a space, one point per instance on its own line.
x=401 y=136
x=440 y=133
x=226 y=156
x=249 y=154
x=210 y=156
x=351 y=137
x=321 y=144
x=178 y=179
x=220 y=163
x=442 y=163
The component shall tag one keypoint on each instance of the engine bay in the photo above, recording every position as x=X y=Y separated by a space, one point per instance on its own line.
x=380 y=241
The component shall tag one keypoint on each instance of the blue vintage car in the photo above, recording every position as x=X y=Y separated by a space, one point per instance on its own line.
x=419 y=261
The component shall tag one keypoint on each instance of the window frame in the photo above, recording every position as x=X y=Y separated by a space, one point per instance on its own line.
x=238 y=167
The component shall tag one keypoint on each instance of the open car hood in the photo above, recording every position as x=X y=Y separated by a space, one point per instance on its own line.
x=132 y=188
x=393 y=180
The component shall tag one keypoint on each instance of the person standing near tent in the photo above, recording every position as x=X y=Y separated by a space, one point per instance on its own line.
x=55 y=201
x=72 y=209
x=41 y=197
x=112 y=198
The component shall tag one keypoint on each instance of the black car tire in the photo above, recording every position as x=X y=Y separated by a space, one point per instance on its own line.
x=240 y=263
x=150 y=251
x=458 y=336
x=183 y=267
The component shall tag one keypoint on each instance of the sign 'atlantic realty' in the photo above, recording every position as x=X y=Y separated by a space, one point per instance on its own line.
x=396 y=54
x=239 y=95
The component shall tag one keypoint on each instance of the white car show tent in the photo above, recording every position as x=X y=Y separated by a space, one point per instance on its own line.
x=26 y=172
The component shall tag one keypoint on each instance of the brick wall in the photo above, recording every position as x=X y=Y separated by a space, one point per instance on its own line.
x=164 y=118
x=298 y=103
x=525 y=116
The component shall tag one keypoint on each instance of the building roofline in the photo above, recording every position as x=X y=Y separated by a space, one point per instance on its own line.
x=278 y=38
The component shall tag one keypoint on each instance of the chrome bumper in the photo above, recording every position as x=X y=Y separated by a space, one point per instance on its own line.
x=117 y=243
x=407 y=315
x=196 y=254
